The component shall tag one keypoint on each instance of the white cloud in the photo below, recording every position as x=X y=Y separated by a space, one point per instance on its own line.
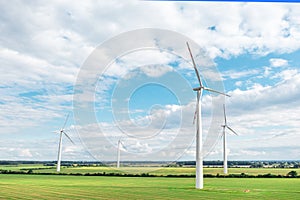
x=247 y=153
x=25 y=153
x=152 y=62
x=239 y=27
x=267 y=71
x=260 y=96
x=156 y=70
x=278 y=62
x=26 y=70
x=238 y=83
x=286 y=74
x=240 y=74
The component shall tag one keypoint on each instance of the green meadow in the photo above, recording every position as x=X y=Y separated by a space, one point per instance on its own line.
x=33 y=186
x=17 y=186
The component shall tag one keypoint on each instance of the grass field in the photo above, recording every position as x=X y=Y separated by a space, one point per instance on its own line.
x=151 y=170
x=82 y=187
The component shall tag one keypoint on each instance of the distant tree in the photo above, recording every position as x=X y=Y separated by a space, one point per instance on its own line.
x=49 y=164
x=292 y=174
x=296 y=165
x=257 y=165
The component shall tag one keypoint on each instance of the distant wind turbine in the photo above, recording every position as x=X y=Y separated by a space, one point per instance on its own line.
x=119 y=152
x=61 y=132
x=199 y=156
x=224 y=141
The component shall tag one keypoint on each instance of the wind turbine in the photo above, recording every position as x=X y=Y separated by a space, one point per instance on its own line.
x=199 y=156
x=119 y=152
x=61 y=132
x=224 y=141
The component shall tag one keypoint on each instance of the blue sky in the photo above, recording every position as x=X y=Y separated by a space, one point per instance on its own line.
x=147 y=94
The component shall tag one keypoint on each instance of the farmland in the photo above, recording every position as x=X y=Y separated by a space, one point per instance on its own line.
x=80 y=187
x=157 y=171
x=34 y=186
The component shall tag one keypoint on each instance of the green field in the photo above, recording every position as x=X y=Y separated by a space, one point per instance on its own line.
x=99 y=187
x=151 y=170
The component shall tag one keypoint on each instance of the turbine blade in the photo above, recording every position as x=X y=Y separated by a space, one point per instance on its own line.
x=215 y=91
x=123 y=145
x=194 y=64
x=224 y=114
x=223 y=132
x=231 y=130
x=68 y=137
x=65 y=121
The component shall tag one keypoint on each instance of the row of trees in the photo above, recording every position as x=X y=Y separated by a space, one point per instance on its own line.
x=291 y=174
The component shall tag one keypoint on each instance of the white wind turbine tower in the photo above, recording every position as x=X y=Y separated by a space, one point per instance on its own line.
x=199 y=156
x=119 y=152
x=224 y=141
x=61 y=132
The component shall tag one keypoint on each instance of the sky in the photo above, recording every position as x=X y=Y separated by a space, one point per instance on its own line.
x=144 y=96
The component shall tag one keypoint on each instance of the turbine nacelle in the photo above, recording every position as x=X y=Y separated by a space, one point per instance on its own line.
x=210 y=90
x=198 y=88
x=225 y=126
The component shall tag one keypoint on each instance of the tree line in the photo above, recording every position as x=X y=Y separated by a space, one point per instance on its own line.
x=291 y=174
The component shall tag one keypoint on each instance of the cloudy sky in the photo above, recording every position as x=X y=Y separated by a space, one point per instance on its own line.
x=145 y=97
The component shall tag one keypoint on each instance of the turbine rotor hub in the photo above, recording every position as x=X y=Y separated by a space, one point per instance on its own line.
x=197 y=88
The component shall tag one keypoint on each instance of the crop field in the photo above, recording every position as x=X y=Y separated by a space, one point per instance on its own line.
x=159 y=171
x=98 y=187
